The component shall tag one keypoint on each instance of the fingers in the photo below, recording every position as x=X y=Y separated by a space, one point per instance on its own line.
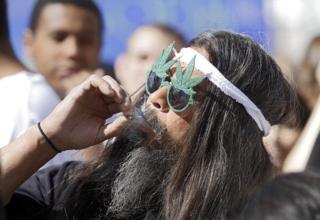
x=99 y=88
x=75 y=80
x=115 y=128
x=120 y=93
x=103 y=87
x=104 y=83
x=110 y=88
x=99 y=72
x=114 y=96
x=121 y=97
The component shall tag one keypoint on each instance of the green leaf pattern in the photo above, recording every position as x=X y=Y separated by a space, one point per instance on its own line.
x=161 y=66
x=184 y=81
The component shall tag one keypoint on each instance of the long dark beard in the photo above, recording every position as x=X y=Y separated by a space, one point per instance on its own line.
x=138 y=185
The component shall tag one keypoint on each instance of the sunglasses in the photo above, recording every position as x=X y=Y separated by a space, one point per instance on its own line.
x=180 y=89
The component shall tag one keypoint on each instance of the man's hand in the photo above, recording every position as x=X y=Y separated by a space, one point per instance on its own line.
x=79 y=120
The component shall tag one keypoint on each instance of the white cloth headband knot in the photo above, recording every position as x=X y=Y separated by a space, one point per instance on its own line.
x=214 y=75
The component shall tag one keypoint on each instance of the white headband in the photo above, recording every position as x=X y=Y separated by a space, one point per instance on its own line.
x=215 y=76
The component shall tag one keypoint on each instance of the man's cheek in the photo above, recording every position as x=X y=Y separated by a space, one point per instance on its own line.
x=177 y=129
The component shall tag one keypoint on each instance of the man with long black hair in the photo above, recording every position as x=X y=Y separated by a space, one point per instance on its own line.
x=196 y=152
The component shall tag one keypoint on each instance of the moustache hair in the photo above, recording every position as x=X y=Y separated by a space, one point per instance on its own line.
x=144 y=128
x=159 y=130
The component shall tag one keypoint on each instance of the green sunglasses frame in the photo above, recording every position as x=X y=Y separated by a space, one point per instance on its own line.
x=182 y=82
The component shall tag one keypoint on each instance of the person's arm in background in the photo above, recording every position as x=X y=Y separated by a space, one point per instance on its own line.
x=77 y=122
x=298 y=157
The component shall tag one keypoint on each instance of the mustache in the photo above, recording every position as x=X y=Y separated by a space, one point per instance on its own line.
x=143 y=129
x=154 y=122
x=146 y=125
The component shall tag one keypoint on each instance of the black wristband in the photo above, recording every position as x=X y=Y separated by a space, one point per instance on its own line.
x=48 y=140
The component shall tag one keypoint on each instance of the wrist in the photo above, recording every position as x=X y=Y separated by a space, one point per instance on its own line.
x=37 y=144
x=49 y=142
x=54 y=133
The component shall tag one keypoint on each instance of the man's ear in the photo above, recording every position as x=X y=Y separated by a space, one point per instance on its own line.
x=28 y=41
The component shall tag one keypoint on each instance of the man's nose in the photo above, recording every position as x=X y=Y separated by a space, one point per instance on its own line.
x=72 y=47
x=158 y=100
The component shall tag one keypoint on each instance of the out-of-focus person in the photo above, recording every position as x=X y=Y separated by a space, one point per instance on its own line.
x=307 y=74
x=307 y=79
x=283 y=137
x=64 y=38
x=143 y=47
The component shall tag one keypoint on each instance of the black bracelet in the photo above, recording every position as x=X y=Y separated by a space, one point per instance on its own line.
x=48 y=140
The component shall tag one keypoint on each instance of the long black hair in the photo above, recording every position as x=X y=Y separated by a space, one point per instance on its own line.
x=225 y=159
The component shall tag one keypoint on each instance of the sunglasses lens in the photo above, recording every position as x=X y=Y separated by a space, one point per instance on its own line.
x=153 y=82
x=178 y=99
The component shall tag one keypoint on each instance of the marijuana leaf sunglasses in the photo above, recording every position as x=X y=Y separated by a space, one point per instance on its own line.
x=180 y=93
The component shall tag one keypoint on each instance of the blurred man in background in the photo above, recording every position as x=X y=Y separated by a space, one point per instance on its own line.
x=64 y=38
x=144 y=46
